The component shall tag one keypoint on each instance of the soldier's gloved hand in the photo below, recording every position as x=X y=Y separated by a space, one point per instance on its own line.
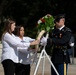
x=43 y=41
x=71 y=44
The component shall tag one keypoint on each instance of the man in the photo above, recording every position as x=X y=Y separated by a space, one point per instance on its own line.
x=59 y=40
x=71 y=49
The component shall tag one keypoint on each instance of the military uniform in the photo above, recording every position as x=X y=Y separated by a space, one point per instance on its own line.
x=59 y=41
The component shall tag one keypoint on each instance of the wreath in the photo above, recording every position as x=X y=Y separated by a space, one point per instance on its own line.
x=45 y=24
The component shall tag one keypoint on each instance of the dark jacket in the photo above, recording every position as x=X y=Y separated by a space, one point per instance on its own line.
x=59 y=40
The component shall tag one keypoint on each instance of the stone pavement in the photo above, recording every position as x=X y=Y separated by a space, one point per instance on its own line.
x=71 y=69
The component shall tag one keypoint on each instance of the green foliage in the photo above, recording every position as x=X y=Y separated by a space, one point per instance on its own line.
x=46 y=23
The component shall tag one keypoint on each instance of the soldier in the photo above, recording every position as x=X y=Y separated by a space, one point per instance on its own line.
x=59 y=40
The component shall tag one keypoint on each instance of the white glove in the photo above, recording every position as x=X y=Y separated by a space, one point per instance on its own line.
x=43 y=41
x=71 y=44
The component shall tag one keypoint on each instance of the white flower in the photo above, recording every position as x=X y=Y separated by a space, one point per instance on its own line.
x=39 y=21
x=46 y=16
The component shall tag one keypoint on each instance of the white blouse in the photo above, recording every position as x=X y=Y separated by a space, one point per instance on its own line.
x=9 y=47
x=24 y=53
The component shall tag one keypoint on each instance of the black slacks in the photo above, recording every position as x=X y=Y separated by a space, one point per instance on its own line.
x=22 y=69
x=9 y=67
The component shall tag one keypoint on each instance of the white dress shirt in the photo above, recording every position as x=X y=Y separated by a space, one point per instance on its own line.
x=61 y=27
x=24 y=53
x=9 y=47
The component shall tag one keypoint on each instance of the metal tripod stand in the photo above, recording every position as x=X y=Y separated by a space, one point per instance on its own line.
x=42 y=56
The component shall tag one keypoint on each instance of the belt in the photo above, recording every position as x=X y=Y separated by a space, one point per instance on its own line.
x=61 y=47
x=58 y=47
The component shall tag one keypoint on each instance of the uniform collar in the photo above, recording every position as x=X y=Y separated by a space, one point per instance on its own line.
x=61 y=27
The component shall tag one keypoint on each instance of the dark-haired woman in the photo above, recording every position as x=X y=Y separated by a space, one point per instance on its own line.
x=23 y=67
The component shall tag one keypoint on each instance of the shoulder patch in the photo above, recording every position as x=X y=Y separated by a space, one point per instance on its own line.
x=66 y=29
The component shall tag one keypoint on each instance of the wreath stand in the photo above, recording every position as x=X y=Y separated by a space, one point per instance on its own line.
x=42 y=56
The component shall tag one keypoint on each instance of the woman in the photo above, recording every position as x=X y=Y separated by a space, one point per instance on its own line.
x=23 y=67
x=9 y=51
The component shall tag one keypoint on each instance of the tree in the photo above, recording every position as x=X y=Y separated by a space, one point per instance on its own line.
x=27 y=12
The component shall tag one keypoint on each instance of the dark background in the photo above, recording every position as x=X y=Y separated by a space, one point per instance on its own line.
x=27 y=13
